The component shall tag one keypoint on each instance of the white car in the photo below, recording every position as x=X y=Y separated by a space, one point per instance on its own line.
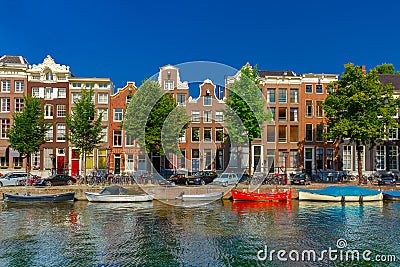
x=13 y=179
x=226 y=179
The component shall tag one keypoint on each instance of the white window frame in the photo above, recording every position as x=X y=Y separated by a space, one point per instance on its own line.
x=348 y=158
x=118 y=116
x=207 y=118
x=61 y=111
x=114 y=136
x=19 y=86
x=219 y=116
x=5 y=104
x=169 y=85
x=62 y=92
x=6 y=86
x=102 y=98
x=61 y=131
x=18 y=104
x=195 y=116
x=48 y=111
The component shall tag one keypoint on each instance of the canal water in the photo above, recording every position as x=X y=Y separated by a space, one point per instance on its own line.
x=223 y=233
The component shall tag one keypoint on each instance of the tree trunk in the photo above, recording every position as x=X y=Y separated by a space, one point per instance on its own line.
x=250 y=160
x=360 y=177
x=28 y=168
x=84 y=168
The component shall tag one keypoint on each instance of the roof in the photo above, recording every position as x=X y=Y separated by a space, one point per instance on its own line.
x=263 y=73
x=394 y=79
x=13 y=59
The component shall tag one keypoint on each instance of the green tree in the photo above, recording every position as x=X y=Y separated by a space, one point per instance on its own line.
x=245 y=109
x=28 y=130
x=84 y=130
x=154 y=120
x=360 y=109
x=385 y=69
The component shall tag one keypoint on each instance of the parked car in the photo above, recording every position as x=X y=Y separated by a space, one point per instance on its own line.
x=177 y=179
x=226 y=179
x=244 y=178
x=386 y=179
x=57 y=179
x=301 y=179
x=201 y=178
x=13 y=179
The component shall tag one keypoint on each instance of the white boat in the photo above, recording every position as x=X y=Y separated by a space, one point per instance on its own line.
x=201 y=197
x=117 y=194
x=341 y=194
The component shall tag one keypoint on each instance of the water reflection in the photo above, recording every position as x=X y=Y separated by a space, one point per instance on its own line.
x=222 y=233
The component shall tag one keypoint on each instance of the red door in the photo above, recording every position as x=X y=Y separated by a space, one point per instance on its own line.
x=60 y=164
x=75 y=167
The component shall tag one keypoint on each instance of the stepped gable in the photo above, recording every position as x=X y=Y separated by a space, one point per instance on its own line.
x=13 y=59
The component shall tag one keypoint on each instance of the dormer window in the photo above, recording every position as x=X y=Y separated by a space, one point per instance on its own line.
x=49 y=76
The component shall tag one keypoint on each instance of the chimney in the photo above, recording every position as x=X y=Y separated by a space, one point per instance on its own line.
x=363 y=68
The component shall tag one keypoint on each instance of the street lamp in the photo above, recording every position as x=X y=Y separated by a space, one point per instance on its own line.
x=285 y=155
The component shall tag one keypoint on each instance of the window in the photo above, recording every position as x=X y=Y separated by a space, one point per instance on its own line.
x=347 y=157
x=271 y=95
x=219 y=134
x=62 y=93
x=5 y=125
x=294 y=114
x=219 y=159
x=207 y=135
x=129 y=162
x=61 y=110
x=181 y=99
x=195 y=134
x=49 y=133
x=195 y=116
x=272 y=113
x=183 y=159
x=129 y=140
x=49 y=93
x=117 y=138
x=89 y=85
x=294 y=133
x=5 y=104
x=103 y=85
x=5 y=86
x=393 y=134
x=117 y=114
x=282 y=133
x=207 y=100
x=101 y=159
x=61 y=78
x=104 y=134
x=320 y=112
x=309 y=88
x=19 y=86
x=141 y=165
x=282 y=95
x=282 y=114
x=219 y=116
x=49 y=76
x=393 y=155
x=207 y=116
x=329 y=89
x=208 y=157
x=103 y=111
x=102 y=98
x=35 y=92
x=318 y=89
x=270 y=133
x=380 y=158
x=233 y=160
x=309 y=108
x=75 y=97
x=48 y=111
x=329 y=159
x=319 y=135
x=293 y=161
x=168 y=85
x=61 y=130
x=309 y=133
x=182 y=138
x=76 y=85
x=35 y=160
x=320 y=158
x=294 y=96
x=19 y=104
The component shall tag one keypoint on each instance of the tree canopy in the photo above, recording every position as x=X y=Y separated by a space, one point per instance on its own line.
x=28 y=130
x=360 y=109
x=154 y=119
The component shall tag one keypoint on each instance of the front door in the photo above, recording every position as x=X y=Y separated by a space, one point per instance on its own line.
x=117 y=164
x=60 y=164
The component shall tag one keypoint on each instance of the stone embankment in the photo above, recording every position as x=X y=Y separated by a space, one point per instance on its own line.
x=168 y=192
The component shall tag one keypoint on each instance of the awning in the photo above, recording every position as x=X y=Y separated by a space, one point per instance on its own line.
x=3 y=150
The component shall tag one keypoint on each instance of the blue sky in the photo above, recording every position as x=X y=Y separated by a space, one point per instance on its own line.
x=130 y=40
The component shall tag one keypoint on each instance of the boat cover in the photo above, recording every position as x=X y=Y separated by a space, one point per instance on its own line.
x=343 y=191
x=392 y=193
x=115 y=190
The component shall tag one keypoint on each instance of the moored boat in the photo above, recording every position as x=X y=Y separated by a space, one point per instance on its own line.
x=255 y=196
x=341 y=194
x=28 y=198
x=391 y=195
x=201 y=197
x=118 y=194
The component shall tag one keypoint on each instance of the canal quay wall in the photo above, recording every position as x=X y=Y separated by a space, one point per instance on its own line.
x=171 y=192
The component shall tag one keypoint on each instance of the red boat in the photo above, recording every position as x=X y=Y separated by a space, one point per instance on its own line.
x=253 y=196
